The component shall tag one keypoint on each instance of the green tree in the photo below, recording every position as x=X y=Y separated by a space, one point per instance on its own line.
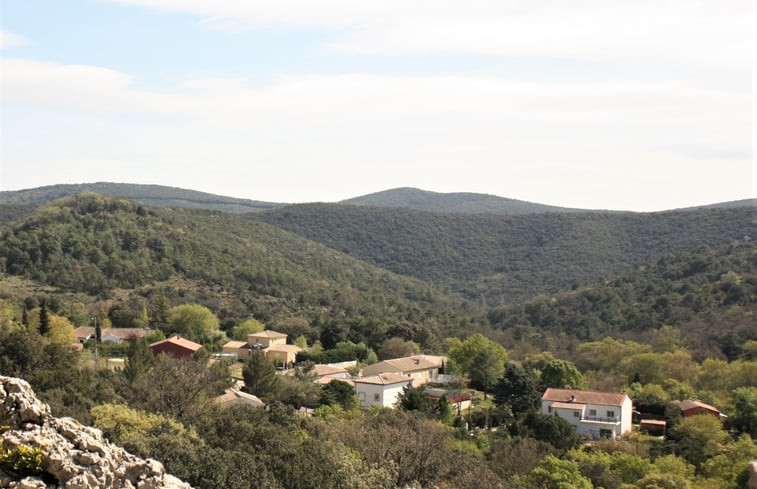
x=179 y=388
x=397 y=348
x=463 y=353
x=44 y=319
x=486 y=367
x=743 y=416
x=518 y=388
x=730 y=468
x=260 y=377
x=240 y=331
x=698 y=438
x=139 y=359
x=415 y=399
x=195 y=322
x=339 y=393
x=559 y=373
x=553 y=473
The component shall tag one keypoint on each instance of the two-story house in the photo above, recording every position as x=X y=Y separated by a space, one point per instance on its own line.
x=272 y=344
x=421 y=368
x=595 y=414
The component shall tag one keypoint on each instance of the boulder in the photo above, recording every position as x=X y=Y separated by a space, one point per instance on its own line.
x=75 y=456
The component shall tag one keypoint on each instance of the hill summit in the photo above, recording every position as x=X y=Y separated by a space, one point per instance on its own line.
x=456 y=202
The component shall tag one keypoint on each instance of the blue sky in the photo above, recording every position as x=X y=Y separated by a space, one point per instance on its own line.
x=622 y=105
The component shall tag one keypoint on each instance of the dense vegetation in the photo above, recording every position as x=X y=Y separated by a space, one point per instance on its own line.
x=504 y=259
x=459 y=202
x=239 y=268
x=709 y=293
x=680 y=326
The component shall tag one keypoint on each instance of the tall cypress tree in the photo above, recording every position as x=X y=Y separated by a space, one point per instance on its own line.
x=44 y=320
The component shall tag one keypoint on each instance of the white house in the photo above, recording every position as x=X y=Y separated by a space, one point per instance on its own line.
x=381 y=389
x=595 y=414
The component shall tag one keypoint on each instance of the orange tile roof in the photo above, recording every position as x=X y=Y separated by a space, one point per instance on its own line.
x=382 y=379
x=323 y=369
x=568 y=405
x=692 y=404
x=178 y=340
x=235 y=344
x=268 y=334
x=124 y=333
x=584 y=397
x=284 y=348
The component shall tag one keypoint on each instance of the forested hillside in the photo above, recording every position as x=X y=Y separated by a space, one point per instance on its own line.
x=456 y=202
x=504 y=259
x=710 y=294
x=95 y=244
x=151 y=195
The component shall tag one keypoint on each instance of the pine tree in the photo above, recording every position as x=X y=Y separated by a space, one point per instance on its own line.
x=260 y=376
x=44 y=320
x=139 y=359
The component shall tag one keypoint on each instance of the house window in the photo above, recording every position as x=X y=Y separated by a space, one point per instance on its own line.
x=610 y=414
x=376 y=397
x=592 y=412
x=549 y=409
x=576 y=414
x=605 y=433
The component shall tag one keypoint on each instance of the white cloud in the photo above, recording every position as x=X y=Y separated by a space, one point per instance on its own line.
x=302 y=137
x=709 y=35
x=9 y=40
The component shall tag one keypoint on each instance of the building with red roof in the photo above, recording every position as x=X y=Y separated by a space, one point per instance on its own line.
x=176 y=346
x=594 y=414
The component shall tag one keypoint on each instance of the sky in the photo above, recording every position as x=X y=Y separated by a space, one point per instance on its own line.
x=601 y=104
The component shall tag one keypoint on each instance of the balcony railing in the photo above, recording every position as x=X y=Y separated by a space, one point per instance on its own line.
x=602 y=419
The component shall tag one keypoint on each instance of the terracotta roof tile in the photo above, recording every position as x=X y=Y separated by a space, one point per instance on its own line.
x=584 y=397
x=382 y=379
x=178 y=340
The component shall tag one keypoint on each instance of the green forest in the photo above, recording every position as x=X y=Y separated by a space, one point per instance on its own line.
x=495 y=259
x=659 y=306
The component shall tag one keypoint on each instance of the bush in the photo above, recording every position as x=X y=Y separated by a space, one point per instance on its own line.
x=23 y=460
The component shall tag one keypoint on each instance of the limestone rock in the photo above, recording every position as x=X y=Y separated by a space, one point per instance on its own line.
x=76 y=456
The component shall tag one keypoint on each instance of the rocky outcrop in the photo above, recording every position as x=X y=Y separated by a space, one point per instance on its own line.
x=75 y=456
x=752 y=470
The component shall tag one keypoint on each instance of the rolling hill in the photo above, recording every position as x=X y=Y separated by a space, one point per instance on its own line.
x=151 y=195
x=458 y=202
x=709 y=294
x=239 y=267
x=502 y=259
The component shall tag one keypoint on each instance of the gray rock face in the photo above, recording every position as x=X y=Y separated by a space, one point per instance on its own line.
x=76 y=456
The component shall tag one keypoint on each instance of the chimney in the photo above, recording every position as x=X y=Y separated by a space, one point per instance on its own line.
x=572 y=399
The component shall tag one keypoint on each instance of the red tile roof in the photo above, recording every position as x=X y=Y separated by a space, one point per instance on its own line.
x=382 y=379
x=179 y=341
x=267 y=334
x=692 y=404
x=584 y=397
x=568 y=405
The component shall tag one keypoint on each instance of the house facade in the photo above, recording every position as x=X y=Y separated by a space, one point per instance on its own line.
x=380 y=390
x=593 y=414
x=420 y=368
x=271 y=343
